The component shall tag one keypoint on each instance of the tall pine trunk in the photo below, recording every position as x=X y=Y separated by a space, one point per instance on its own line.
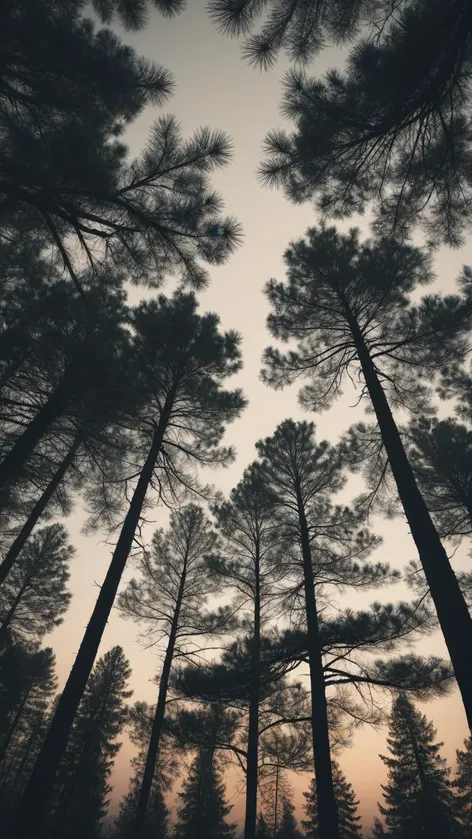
x=30 y=815
x=24 y=446
x=153 y=748
x=17 y=546
x=451 y=608
x=253 y=727
x=327 y=809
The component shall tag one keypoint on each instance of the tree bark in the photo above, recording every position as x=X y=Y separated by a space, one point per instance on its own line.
x=253 y=727
x=17 y=546
x=327 y=809
x=451 y=608
x=29 y=819
x=153 y=748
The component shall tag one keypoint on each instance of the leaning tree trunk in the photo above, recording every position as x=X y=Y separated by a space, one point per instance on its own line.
x=29 y=818
x=17 y=546
x=5 y=627
x=153 y=748
x=14 y=725
x=327 y=809
x=451 y=608
x=24 y=446
x=253 y=727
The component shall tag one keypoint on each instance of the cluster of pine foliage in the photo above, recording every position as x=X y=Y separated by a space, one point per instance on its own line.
x=123 y=408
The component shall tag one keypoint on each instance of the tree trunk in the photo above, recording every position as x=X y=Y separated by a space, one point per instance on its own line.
x=253 y=728
x=327 y=809
x=17 y=546
x=153 y=748
x=30 y=815
x=276 y=801
x=9 y=617
x=24 y=446
x=12 y=729
x=451 y=608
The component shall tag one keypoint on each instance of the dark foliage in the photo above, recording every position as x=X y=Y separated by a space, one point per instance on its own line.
x=67 y=93
x=202 y=810
x=182 y=361
x=347 y=306
x=418 y=796
x=349 y=820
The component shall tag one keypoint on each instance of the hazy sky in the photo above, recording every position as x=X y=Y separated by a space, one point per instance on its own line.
x=215 y=87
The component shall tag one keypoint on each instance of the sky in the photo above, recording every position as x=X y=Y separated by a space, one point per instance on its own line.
x=215 y=87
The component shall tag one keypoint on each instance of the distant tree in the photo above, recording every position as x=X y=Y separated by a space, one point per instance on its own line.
x=288 y=826
x=262 y=828
x=463 y=788
x=441 y=456
x=27 y=686
x=378 y=830
x=391 y=127
x=169 y=601
x=27 y=681
x=418 y=796
x=278 y=756
x=329 y=546
x=347 y=306
x=156 y=824
x=34 y=597
x=74 y=87
x=349 y=820
x=182 y=361
x=202 y=810
x=83 y=778
x=250 y=545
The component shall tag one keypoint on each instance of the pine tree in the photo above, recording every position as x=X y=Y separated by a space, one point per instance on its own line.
x=391 y=128
x=87 y=438
x=202 y=810
x=80 y=355
x=262 y=828
x=133 y=14
x=349 y=820
x=418 y=795
x=169 y=600
x=288 y=826
x=300 y=29
x=251 y=544
x=27 y=686
x=83 y=779
x=378 y=830
x=463 y=788
x=329 y=545
x=79 y=89
x=156 y=823
x=396 y=349
x=34 y=597
x=181 y=362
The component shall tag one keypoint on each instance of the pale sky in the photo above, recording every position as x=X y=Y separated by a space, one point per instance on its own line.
x=215 y=87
